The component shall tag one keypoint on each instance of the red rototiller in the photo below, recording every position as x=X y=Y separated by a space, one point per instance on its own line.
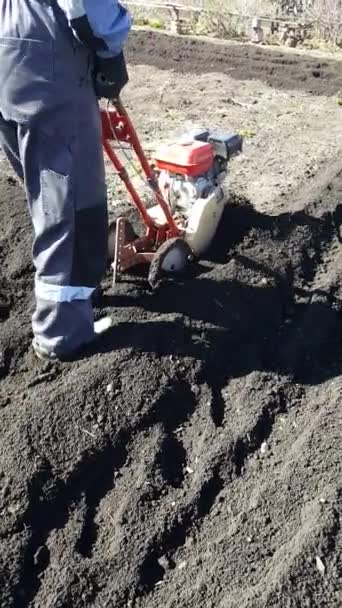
x=187 y=190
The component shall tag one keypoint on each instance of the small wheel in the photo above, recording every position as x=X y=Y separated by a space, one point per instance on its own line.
x=171 y=258
x=176 y=256
x=129 y=237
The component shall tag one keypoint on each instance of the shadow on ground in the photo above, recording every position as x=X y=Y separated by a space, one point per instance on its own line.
x=252 y=305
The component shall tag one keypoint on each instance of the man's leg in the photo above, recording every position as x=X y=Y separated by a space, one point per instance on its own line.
x=65 y=184
x=9 y=144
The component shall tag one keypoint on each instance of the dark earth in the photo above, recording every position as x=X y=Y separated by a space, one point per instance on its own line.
x=194 y=459
x=279 y=69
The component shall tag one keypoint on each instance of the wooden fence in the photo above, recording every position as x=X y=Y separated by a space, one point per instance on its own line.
x=182 y=19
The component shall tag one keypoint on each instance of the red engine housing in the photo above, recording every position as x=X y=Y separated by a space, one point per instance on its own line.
x=190 y=160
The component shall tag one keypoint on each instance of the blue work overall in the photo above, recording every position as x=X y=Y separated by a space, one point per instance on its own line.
x=50 y=131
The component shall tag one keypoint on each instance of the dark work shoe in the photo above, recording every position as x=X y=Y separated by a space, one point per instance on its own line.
x=100 y=328
x=43 y=353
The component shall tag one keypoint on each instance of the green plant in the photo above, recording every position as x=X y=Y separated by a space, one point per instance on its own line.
x=156 y=24
x=246 y=133
x=140 y=21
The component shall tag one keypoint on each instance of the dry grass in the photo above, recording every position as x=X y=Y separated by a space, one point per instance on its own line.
x=231 y=18
x=327 y=17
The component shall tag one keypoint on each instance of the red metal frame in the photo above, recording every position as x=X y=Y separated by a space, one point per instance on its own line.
x=117 y=126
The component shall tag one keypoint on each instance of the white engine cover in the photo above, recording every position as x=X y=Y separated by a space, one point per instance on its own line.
x=200 y=201
x=203 y=221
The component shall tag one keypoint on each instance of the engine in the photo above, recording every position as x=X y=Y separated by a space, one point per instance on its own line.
x=194 y=167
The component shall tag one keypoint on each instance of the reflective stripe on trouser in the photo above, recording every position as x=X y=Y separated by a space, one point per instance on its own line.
x=62 y=162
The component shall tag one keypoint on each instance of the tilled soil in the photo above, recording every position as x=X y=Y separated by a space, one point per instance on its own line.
x=195 y=460
x=277 y=68
x=283 y=102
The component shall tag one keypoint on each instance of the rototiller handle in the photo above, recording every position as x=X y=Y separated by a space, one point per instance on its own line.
x=117 y=126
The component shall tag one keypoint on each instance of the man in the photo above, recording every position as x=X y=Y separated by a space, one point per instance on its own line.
x=56 y=58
